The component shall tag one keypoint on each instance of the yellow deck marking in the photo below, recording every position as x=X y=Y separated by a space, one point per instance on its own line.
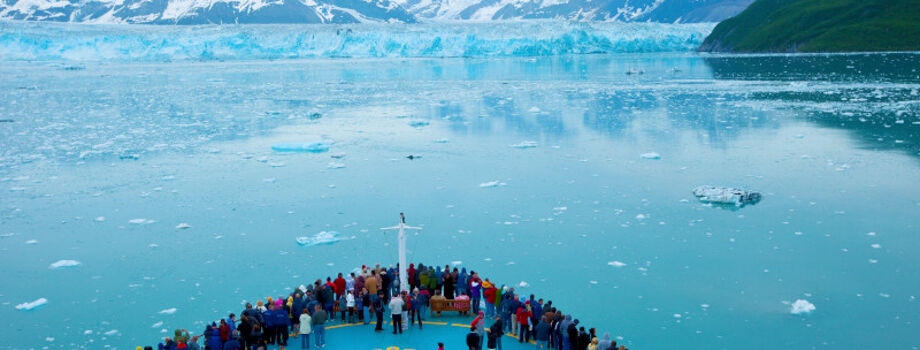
x=430 y=322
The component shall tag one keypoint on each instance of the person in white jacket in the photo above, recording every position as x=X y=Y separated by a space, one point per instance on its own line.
x=350 y=304
x=306 y=328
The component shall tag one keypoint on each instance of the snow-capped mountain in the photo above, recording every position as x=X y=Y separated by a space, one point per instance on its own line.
x=355 y=11
x=205 y=11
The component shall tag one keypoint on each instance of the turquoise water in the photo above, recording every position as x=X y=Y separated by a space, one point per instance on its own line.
x=831 y=141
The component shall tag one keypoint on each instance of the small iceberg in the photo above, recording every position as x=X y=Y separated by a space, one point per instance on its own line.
x=523 y=284
x=324 y=237
x=64 y=264
x=802 y=306
x=168 y=311
x=491 y=184
x=183 y=226
x=616 y=263
x=32 y=305
x=726 y=195
x=312 y=147
x=334 y=165
x=650 y=155
x=525 y=144
x=141 y=221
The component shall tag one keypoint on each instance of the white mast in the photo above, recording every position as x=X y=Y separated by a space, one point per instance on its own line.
x=403 y=275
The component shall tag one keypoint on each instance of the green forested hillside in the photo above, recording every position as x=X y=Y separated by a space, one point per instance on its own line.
x=820 y=26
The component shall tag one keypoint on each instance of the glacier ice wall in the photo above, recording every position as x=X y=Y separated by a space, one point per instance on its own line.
x=42 y=41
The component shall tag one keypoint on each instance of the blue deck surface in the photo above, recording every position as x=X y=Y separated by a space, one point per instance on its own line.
x=448 y=329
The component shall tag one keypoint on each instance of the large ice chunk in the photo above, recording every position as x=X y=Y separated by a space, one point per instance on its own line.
x=726 y=195
x=312 y=147
x=64 y=264
x=324 y=237
x=32 y=305
x=802 y=306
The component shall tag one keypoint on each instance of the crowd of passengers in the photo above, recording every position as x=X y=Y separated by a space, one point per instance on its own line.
x=363 y=297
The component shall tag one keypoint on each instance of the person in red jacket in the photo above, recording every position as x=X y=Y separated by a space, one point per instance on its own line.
x=523 y=317
x=489 y=294
x=411 y=274
x=339 y=287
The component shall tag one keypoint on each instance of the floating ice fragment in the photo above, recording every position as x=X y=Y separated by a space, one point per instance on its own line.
x=534 y=109
x=100 y=218
x=726 y=195
x=32 y=305
x=312 y=147
x=650 y=155
x=560 y=208
x=49 y=339
x=141 y=221
x=418 y=123
x=677 y=315
x=32 y=241
x=705 y=306
x=183 y=226
x=64 y=264
x=441 y=141
x=616 y=263
x=523 y=284
x=491 y=184
x=456 y=263
x=641 y=217
x=876 y=245
x=157 y=325
x=802 y=306
x=592 y=282
x=338 y=155
x=88 y=332
x=168 y=311
x=525 y=144
x=111 y=332
x=6 y=235
x=334 y=165
x=324 y=237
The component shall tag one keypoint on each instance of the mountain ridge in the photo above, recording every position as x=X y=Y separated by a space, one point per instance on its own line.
x=190 y=12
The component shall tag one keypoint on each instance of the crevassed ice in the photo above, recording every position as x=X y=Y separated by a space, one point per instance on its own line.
x=75 y=42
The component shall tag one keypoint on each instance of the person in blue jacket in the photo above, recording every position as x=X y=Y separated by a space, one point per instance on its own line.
x=213 y=341
x=233 y=343
x=268 y=332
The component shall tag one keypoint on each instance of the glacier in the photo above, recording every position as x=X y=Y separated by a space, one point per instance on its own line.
x=44 y=41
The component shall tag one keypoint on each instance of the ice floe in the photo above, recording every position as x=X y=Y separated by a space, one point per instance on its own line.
x=418 y=123
x=312 y=147
x=111 y=332
x=334 y=165
x=183 y=226
x=32 y=305
x=525 y=144
x=141 y=221
x=324 y=237
x=168 y=311
x=726 y=195
x=157 y=325
x=616 y=263
x=491 y=184
x=802 y=306
x=650 y=155
x=32 y=241
x=523 y=284
x=100 y=218
x=64 y=264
